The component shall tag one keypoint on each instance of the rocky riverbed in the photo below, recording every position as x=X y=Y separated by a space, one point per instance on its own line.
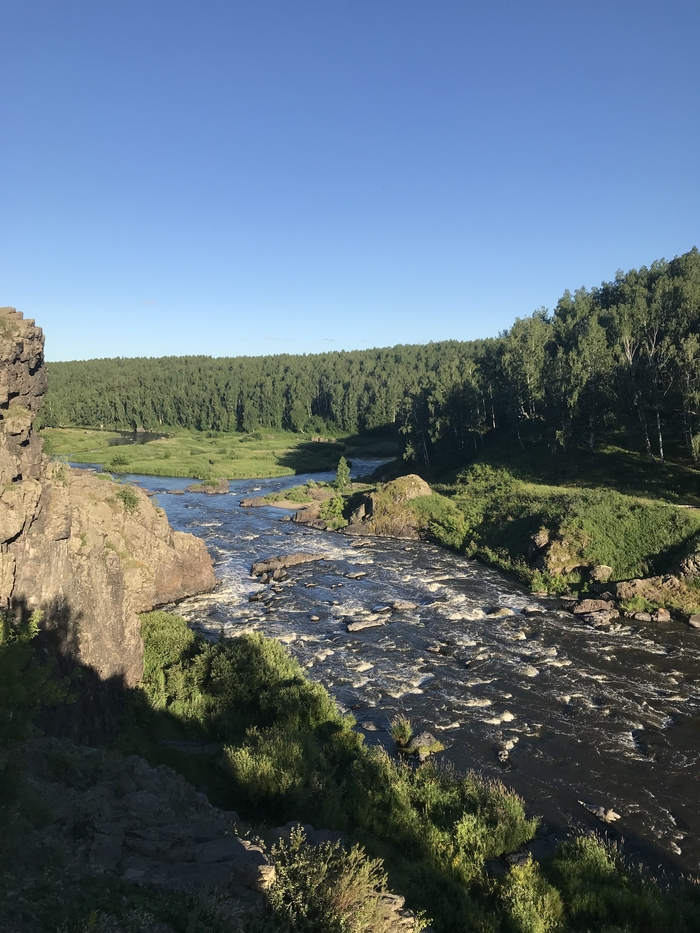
x=583 y=716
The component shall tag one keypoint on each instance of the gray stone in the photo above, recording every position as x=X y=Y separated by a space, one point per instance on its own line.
x=363 y=624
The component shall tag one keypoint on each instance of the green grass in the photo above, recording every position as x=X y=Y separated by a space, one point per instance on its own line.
x=289 y=753
x=207 y=455
x=501 y=511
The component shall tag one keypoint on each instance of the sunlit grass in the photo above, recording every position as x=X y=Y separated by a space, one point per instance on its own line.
x=207 y=455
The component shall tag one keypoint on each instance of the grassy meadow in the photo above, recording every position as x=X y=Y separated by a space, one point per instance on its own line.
x=209 y=454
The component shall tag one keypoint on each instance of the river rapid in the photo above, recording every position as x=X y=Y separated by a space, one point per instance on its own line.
x=607 y=716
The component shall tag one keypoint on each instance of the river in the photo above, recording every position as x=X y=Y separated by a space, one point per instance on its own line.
x=609 y=716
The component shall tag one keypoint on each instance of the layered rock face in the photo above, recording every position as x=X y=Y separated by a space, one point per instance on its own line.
x=87 y=551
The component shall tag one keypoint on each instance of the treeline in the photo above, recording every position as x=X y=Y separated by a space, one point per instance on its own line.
x=618 y=361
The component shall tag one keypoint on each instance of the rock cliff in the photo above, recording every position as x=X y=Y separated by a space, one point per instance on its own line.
x=87 y=551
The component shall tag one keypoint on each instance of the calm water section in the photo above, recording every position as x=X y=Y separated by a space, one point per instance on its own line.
x=605 y=716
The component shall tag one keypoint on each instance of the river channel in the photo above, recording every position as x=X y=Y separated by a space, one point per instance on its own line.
x=608 y=716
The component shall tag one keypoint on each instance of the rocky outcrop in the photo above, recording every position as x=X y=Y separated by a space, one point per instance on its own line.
x=114 y=816
x=88 y=552
x=385 y=512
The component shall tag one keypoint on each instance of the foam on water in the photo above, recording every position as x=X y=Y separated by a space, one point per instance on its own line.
x=586 y=713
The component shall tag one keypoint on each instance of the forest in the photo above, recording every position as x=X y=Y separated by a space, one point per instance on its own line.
x=617 y=363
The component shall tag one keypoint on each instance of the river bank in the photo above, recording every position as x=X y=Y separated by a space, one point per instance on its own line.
x=600 y=714
x=211 y=455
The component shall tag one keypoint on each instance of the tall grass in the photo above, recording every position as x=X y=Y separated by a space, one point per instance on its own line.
x=289 y=753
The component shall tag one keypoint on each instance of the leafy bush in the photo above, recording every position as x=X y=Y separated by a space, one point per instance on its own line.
x=601 y=892
x=401 y=730
x=531 y=904
x=26 y=683
x=129 y=498
x=327 y=889
x=290 y=754
x=332 y=512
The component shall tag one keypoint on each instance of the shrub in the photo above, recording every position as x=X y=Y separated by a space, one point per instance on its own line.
x=332 y=512
x=129 y=499
x=530 y=903
x=401 y=730
x=26 y=683
x=327 y=889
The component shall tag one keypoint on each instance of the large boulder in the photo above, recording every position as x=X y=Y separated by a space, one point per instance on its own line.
x=385 y=512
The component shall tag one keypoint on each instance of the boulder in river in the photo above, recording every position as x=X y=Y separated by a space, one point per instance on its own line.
x=403 y=605
x=384 y=512
x=212 y=488
x=423 y=746
x=585 y=606
x=694 y=620
x=361 y=624
x=605 y=814
x=270 y=564
x=600 y=617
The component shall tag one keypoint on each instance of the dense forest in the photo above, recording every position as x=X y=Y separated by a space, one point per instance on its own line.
x=620 y=362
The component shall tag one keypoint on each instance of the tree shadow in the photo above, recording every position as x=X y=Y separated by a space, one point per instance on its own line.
x=322 y=454
x=93 y=707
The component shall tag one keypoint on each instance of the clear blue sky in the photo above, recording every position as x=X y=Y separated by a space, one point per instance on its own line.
x=261 y=176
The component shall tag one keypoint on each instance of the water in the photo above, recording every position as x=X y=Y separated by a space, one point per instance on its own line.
x=134 y=437
x=610 y=717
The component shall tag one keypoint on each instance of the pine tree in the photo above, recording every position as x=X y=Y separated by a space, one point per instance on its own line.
x=342 y=476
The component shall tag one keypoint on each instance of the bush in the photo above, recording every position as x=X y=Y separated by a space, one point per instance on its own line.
x=327 y=889
x=26 y=683
x=401 y=730
x=129 y=499
x=332 y=512
x=530 y=903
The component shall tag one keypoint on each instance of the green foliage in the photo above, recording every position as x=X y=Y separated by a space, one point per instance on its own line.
x=441 y=518
x=289 y=754
x=26 y=683
x=342 y=475
x=637 y=604
x=328 y=889
x=189 y=453
x=129 y=498
x=401 y=730
x=501 y=513
x=531 y=904
x=332 y=512
x=601 y=892
x=119 y=460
